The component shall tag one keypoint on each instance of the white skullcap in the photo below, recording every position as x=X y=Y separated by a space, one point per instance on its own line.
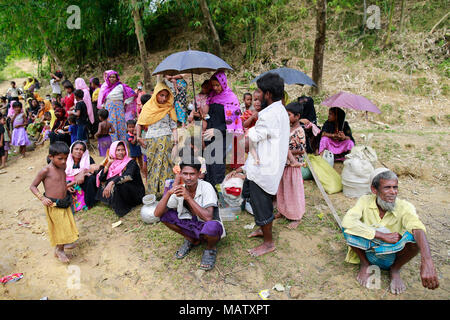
x=376 y=172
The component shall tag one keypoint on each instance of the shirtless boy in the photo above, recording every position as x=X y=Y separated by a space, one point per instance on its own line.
x=104 y=129
x=57 y=202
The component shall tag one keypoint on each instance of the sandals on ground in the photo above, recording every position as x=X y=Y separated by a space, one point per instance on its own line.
x=184 y=249
x=208 y=259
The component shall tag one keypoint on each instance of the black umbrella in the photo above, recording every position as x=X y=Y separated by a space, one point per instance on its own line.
x=290 y=76
x=191 y=61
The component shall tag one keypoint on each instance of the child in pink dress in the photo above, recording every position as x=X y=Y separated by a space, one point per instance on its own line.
x=291 y=194
x=19 y=135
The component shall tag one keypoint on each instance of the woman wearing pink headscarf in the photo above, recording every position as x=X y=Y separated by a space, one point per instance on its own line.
x=224 y=116
x=120 y=182
x=81 y=85
x=120 y=101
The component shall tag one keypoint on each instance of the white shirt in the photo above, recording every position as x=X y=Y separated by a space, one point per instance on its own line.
x=116 y=94
x=56 y=88
x=271 y=137
x=13 y=92
x=205 y=197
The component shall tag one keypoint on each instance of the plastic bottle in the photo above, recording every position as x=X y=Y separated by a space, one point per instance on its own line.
x=229 y=214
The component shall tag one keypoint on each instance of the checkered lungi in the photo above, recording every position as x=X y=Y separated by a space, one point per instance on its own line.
x=378 y=252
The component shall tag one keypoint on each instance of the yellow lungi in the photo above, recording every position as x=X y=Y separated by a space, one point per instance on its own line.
x=61 y=226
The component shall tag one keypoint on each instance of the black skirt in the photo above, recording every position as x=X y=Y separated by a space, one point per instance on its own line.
x=215 y=172
x=128 y=189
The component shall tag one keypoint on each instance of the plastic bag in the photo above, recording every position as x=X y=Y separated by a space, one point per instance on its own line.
x=232 y=191
x=328 y=177
x=306 y=173
x=364 y=151
x=356 y=176
x=329 y=157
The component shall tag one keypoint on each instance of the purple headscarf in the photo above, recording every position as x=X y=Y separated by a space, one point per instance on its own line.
x=107 y=87
x=230 y=103
x=102 y=90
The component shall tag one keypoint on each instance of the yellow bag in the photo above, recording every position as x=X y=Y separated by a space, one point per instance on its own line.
x=328 y=177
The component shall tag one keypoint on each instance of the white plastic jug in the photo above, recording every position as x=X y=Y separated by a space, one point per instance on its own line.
x=148 y=209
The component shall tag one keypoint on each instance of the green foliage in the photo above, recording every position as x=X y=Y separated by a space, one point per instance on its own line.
x=133 y=80
x=104 y=30
x=236 y=21
x=4 y=52
x=107 y=28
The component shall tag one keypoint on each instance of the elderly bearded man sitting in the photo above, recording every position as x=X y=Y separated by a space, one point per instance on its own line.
x=384 y=231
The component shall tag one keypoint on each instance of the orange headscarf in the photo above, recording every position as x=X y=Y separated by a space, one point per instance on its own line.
x=47 y=108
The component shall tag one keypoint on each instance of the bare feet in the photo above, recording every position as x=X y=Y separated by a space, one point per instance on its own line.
x=363 y=275
x=70 y=246
x=266 y=247
x=256 y=233
x=397 y=286
x=294 y=224
x=61 y=255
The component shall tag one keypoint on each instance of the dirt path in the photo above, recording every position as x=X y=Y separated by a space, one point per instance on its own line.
x=23 y=64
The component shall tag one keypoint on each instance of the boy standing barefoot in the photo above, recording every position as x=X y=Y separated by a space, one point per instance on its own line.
x=56 y=200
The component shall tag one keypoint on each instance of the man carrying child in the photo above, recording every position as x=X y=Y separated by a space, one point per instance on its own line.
x=271 y=136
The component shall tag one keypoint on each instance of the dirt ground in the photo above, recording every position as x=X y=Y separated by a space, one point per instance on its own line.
x=136 y=260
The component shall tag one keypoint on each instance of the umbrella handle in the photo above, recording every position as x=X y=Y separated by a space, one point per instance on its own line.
x=193 y=87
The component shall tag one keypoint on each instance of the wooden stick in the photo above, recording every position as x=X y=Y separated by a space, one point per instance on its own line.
x=324 y=194
x=442 y=19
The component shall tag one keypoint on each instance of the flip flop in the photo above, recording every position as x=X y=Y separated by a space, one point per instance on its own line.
x=208 y=259
x=185 y=248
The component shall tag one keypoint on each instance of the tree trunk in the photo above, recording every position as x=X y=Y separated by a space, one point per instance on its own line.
x=212 y=29
x=319 y=45
x=402 y=16
x=50 y=49
x=391 y=13
x=364 y=17
x=137 y=17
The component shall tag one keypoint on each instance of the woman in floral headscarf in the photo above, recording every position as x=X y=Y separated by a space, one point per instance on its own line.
x=224 y=116
x=120 y=101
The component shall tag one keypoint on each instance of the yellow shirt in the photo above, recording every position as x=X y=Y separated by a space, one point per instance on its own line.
x=364 y=218
x=95 y=94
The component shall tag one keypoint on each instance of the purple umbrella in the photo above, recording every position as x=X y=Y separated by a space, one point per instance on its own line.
x=352 y=101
